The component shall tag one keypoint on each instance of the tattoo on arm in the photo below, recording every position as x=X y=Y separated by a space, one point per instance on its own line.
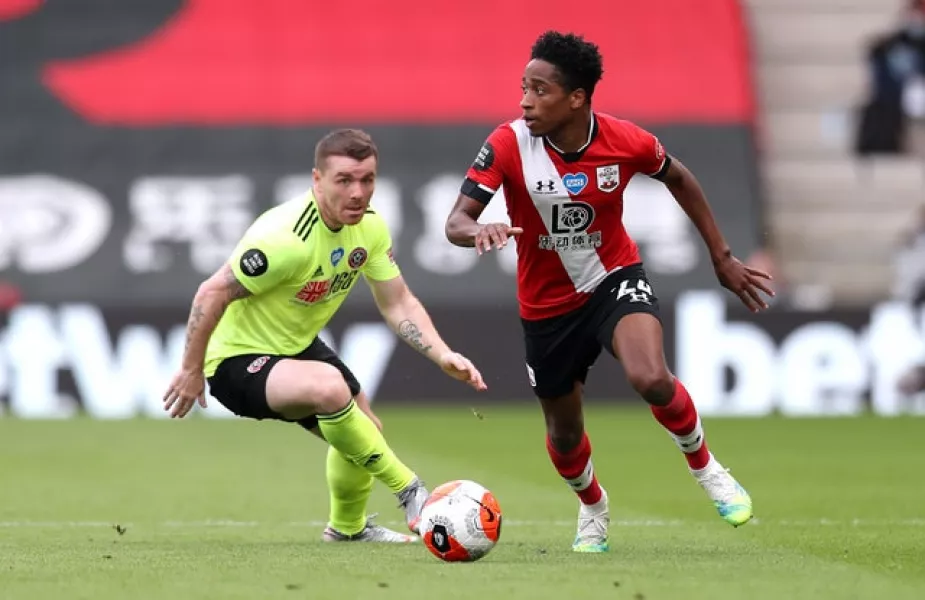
x=230 y=289
x=195 y=318
x=236 y=291
x=410 y=332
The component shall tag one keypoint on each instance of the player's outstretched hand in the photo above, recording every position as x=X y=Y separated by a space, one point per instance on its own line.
x=744 y=281
x=494 y=233
x=186 y=388
x=459 y=367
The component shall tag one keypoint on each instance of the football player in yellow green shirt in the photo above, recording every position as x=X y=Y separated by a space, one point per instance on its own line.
x=253 y=328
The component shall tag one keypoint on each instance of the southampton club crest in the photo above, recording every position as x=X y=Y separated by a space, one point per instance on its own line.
x=608 y=178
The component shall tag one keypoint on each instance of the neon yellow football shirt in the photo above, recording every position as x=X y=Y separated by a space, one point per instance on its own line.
x=299 y=273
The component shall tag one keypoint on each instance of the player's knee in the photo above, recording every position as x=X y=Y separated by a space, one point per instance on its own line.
x=329 y=392
x=654 y=384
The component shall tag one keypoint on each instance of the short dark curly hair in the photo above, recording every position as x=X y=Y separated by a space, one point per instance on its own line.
x=578 y=61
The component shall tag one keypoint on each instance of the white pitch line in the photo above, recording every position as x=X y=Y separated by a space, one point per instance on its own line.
x=220 y=523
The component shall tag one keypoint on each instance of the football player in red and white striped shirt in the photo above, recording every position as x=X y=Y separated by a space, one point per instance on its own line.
x=580 y=280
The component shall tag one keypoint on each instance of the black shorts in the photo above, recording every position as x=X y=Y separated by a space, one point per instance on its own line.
x=561 y=349
x=240 y=382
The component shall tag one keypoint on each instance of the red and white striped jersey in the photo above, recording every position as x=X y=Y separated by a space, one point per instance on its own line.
x=570 y=206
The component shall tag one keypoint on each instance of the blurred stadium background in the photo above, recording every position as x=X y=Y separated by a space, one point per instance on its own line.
x=140 y=138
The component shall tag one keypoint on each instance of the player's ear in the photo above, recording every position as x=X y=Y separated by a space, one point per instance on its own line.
x=316 y=174
x=577 y=99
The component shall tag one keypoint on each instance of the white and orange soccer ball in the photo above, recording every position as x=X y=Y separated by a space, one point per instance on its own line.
x=461 y=521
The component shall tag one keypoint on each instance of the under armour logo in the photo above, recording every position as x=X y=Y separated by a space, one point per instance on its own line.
x=549 y=185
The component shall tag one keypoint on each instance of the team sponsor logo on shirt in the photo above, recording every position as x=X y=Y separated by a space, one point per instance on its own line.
x=313 y=291
x=608 y=178
x=391 y=254
x=357 y=258
x=336 y=255
x=319 y=291
x=571 y=217
x=570 y=222
x=575 y=182
x=485 y=158
x=257 y=364
x=570 y=243
x=254 y=262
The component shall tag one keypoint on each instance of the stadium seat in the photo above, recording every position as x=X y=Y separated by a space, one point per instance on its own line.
x=832 y=215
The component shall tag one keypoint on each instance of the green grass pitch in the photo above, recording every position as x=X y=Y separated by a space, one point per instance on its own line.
x=234 y=509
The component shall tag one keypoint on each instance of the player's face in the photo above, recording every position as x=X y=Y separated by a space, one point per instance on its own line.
x=344 y=187
x=546 y=104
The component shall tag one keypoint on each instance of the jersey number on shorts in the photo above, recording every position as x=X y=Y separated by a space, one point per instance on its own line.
x=641 y=292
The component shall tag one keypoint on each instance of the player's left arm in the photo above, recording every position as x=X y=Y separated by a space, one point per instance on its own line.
x=690 y=196
x=410 y=321
x=404 y=312
x=652 y=159
x=742 y=280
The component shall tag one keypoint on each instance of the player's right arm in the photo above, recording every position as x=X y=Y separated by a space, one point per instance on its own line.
x=484 y=178
x=209 y=304
x=254 y=268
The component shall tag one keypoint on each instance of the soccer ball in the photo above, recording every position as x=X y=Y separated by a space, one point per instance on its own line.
x=461 y=521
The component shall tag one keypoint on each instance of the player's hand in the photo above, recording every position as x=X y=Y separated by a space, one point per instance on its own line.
x=494 y=233
x=461 y=368
x=186 y=388
x=744 y=281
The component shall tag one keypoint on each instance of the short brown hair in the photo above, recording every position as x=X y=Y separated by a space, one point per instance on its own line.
x=355 y=143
